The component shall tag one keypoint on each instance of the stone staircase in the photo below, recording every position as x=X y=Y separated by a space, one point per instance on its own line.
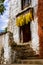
x=24 y=53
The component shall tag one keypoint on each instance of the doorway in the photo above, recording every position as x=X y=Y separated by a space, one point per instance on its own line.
x=25 y=33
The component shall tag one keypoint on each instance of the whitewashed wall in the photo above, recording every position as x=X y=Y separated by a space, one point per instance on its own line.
x=15 y=7
x=4 y=43
x=34 y=28
x=6 y=48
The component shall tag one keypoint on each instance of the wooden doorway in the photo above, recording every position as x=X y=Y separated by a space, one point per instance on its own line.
x=25 y=33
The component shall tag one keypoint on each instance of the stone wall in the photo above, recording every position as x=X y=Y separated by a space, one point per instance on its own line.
x=1 y=47
x=5 y=46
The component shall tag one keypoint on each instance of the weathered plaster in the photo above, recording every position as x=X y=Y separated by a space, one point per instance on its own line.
x=34 y=28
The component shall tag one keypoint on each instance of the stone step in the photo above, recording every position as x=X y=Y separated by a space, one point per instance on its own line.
x=32 y=61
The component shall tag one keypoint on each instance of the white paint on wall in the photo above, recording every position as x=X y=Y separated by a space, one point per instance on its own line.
x=15 y=6
x=34 y=28
x=16 y=33
x=6 y=48
x=34 y=35
x=34 y=3
x=5 y=45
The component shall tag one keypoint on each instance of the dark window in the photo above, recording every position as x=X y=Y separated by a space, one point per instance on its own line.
x=25 y=3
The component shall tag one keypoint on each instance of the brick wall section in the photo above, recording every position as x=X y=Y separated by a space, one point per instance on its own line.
x=40 y=21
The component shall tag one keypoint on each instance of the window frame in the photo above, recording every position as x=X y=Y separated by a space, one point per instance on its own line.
x=22 y=6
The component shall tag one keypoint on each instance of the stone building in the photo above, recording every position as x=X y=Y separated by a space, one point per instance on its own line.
x=32 y=33
x=15 y=8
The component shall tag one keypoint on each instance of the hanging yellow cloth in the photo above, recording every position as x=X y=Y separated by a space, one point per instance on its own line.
x=28 y=17
x=23 y=19
x=20 y=21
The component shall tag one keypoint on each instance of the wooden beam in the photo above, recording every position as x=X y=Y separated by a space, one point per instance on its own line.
x=23 y=11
